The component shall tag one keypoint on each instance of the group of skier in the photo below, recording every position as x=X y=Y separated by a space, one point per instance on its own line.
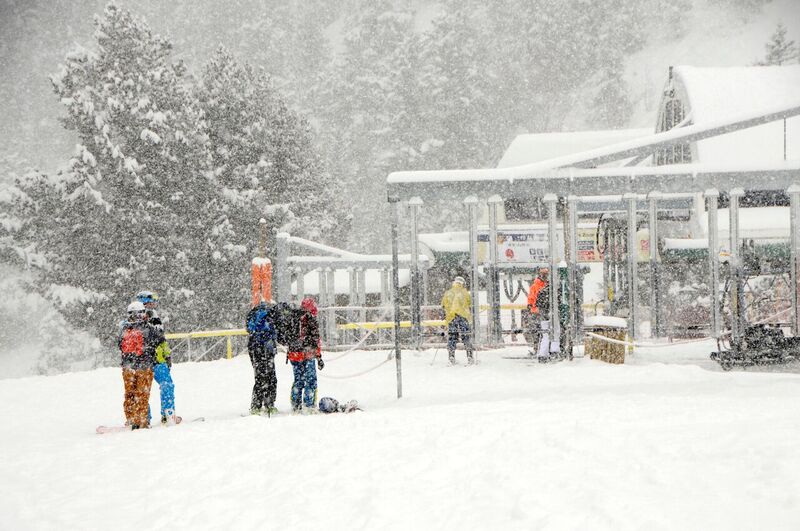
x=297 y=329
x=145 y=356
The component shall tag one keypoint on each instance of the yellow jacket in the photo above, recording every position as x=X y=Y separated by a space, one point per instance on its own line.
x=457 y=301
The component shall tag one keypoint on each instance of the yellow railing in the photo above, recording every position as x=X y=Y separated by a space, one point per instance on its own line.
x=373 y=325
x=210 y=333
x=207 y=333
x=483 y=307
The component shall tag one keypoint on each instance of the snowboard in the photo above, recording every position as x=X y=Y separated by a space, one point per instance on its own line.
x=116 y=429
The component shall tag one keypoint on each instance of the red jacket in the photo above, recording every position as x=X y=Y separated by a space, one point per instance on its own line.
x=310 y=343
x=537 y=286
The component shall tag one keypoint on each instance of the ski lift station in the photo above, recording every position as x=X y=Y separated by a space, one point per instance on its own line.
x=629 y=221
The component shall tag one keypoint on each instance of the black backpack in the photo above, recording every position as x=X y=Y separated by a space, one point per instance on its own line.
x=287 y=324
x=543 y=301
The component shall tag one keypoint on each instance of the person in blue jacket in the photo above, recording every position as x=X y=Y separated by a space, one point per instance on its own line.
x=163 y=362
x=261 y=346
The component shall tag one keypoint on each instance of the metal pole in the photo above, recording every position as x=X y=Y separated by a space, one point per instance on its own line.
x=322 y=288
x=712 y=198
x=607 y=250
x=737 y=297
x=555 y=278
x=385 y=297
x=472 y=207
x=300 y=285
x=655 y=273
x=633 y=266
x=262 y=238
x=415 y=203
x=572 y=264
x=361 y=275
x=331 y=274
x=352 y=298
x=493 y=290
x=794 y=246
x=283 y=277
x=425 y=284
x=394 y=204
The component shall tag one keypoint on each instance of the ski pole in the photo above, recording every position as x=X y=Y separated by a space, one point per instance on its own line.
x=435 y=352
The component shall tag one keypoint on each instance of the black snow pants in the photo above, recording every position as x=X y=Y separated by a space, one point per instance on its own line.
x=262 y=357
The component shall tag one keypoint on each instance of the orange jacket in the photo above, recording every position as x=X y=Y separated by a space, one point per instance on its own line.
x=536 y=286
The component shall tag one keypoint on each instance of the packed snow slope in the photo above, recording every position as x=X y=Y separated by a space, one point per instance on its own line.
x=666 y=441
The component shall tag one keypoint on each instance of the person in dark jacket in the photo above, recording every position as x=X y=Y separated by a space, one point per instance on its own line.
x=261 y=347
x=137 y=343
x=305 y=355
x=162 y=369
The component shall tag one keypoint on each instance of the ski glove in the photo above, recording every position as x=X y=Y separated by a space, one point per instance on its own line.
x=320 y=363
x=169 y=362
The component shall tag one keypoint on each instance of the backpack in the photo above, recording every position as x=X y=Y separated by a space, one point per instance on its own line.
x=543 y=300
x=132 y=341
x=259 y=324
x=287 y=324
x=331 y=405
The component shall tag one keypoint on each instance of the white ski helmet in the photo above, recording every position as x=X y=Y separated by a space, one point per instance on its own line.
x=136 y=307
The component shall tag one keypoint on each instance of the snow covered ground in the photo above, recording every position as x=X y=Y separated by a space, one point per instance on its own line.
x=666 y=441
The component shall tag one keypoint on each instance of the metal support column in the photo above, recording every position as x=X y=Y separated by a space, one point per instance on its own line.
x=385 y=295
x=495 y=335
x=394 y=204
x=361 y=276
x=322 y=293
x=332 y=333
x=633 y=267
x=352 y=297
x=300 y=285
x=656 y=328
x=794 y=245
x=281 y=273
x=712 y=199
x=472 y=207
x=555 y=278
x=737 y=295
x=414 y=205
x=572 y=264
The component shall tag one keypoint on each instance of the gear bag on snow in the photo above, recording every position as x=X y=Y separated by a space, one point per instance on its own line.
x=331 y=405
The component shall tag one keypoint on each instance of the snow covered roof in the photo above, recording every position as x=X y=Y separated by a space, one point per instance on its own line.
x=446 y=242
x=713 y=94
x=525 y=149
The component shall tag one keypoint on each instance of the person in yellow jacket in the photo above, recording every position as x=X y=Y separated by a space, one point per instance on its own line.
x=457 y=305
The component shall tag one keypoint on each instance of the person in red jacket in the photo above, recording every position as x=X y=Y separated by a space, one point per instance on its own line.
x=305 y=354
x=536 y=312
